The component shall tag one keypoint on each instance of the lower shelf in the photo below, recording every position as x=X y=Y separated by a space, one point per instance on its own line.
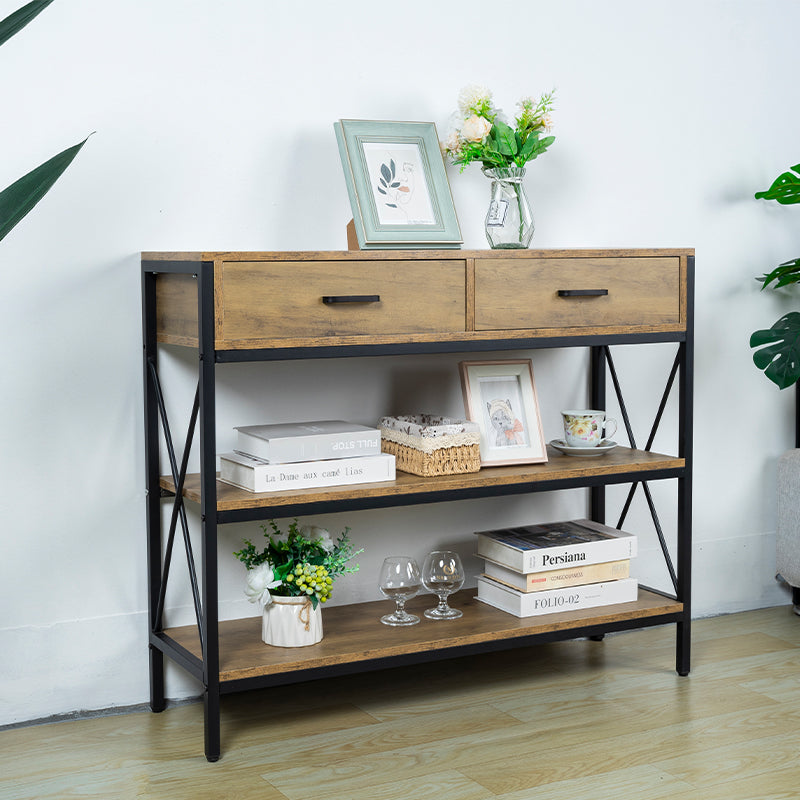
x=354 y=634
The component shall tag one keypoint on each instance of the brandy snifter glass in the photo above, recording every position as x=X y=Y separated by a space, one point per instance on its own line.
x=400 y=581
x=442 y=574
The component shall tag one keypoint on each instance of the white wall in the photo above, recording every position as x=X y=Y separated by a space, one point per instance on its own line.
x=214 y=131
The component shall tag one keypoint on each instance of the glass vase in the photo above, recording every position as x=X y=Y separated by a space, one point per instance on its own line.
x=509 y=221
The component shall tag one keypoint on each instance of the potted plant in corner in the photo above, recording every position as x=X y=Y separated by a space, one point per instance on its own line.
x=779 y=355
x=291 y=576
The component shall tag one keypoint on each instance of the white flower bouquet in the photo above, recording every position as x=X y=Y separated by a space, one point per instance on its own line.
x=303 y=562
x=480 y=133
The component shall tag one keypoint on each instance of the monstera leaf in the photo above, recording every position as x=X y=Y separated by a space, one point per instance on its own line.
x=785 y=188
x=783 y=275
x=779 y=355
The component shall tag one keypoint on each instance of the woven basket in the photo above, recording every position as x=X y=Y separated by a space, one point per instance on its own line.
x=427 y=445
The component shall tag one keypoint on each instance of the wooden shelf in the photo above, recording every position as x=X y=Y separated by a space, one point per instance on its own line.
x=353 y=633
x=620 y=462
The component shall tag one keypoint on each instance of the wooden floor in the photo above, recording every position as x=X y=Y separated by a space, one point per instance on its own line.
x=601 y=720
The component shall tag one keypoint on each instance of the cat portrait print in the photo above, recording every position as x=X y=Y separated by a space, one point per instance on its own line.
x=500 y=397
x=506 y=428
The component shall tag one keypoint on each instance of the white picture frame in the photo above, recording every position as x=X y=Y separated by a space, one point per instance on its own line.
x=500 y=396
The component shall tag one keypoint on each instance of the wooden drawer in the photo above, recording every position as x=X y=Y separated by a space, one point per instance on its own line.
x=284 y=299
x=513 y=294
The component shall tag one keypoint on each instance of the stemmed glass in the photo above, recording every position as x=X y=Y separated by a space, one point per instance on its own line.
x=399 y=581
x=442 y=574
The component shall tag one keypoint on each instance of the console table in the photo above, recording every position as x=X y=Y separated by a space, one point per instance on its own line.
x=264 y=306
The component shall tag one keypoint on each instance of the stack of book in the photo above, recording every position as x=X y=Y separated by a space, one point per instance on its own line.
x=558 y=566
x=305 y=455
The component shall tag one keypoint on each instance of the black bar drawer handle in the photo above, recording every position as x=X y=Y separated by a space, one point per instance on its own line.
x=332 y=300
x=582 y=292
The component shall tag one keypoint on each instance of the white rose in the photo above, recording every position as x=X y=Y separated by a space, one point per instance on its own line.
x=260 y=580
x=314 y=533
x=452 y=144
x=475 y=129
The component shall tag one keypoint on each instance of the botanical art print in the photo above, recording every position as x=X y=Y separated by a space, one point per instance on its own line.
x=398 y=184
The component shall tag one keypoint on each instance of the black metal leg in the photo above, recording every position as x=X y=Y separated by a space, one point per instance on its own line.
x=208 y=510
x=212 y=724
x=685 y=450
x=158 y=700
x=597 y=391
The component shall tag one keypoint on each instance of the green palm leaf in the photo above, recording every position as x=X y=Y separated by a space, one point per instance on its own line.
x=779 y=355
x=19 y=198
x=15 y=22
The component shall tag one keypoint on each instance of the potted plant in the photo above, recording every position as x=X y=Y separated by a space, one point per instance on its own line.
x=291 y=575
x=481 y=134
x=779 y=355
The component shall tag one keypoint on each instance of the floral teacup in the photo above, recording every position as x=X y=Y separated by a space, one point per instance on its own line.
x=587 y=428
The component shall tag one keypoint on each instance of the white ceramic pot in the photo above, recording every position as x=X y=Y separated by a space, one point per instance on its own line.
x=291 y=622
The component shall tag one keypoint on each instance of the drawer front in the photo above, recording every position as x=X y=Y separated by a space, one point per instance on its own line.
x=285 y=299
x=577 y=292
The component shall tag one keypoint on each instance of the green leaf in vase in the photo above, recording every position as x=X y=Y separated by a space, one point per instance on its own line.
x=506 y=140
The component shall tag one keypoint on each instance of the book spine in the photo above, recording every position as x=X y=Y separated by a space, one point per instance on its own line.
x=554 y=600
x=542 y=581
x=308 y=475
x=551 y=558
x=317 y=447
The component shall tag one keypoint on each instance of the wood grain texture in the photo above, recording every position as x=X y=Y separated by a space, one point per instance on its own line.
x=278 y=300
x=354 y=633
x=271 y=300
x=409 y=255
x=574 y=720
x=524 y=293
x=176 y=309
x=558 y=467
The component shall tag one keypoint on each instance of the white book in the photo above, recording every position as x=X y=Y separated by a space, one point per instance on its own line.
x=256 y=475
x=531 y=604
x=284 y=443
x=555 y=545
x=556 y=578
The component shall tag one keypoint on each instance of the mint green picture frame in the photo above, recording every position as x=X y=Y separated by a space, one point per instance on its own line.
x=397 y=185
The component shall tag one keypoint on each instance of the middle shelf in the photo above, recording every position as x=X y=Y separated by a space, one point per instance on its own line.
x=560 y=472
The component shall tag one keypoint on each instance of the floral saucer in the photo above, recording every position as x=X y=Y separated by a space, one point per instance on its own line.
x=606 y=446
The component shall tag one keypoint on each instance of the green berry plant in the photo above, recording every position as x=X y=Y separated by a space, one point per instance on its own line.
x=779 y=355
x=303 y=562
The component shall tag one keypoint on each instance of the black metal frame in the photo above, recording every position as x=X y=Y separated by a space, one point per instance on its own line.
x=206 y=669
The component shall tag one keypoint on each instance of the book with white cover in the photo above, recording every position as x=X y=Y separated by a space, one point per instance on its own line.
x=554 y=545
x=553 y=579
x=531 y=604
x=284 y=443
x=256 y=475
